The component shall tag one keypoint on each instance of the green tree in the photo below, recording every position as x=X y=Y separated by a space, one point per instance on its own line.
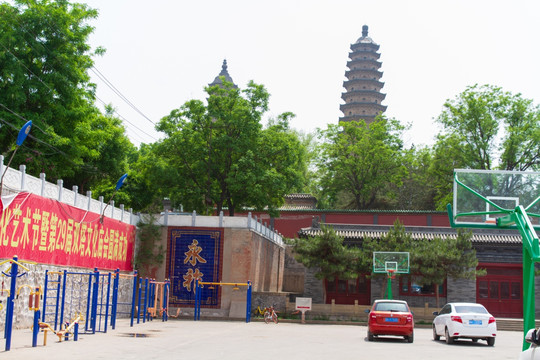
x=150 y=179
x=447 y=156
x=358 y=162
x=224 y=158
x=486 y=128
x=417 y=191
x=150 y=252
x=44 y=62
x=438 y=259
x=327 y=255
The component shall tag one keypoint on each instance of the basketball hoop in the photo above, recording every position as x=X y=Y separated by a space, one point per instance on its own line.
x=391 y=273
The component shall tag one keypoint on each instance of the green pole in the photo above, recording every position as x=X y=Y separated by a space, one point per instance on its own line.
x=389 y=288
x=528 y=296
x=531 y=254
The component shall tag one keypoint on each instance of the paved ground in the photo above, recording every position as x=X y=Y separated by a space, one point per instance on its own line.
x=256 y=340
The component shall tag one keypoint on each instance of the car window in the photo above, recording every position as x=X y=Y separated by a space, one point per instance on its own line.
x=390 y=306
x=445 y=310
x=471 y=309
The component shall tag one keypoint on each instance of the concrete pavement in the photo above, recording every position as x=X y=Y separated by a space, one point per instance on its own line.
x=184 y=339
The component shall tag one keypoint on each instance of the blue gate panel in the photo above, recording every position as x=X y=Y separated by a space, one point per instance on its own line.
x=194 y=254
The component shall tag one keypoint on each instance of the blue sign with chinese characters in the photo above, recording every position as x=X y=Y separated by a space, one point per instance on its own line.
x=194 y=254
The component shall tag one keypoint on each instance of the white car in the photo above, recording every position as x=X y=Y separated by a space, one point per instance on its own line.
x=464 y=321
x=532 y=353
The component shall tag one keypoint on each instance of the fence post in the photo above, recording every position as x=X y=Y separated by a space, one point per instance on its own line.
x=42 y=177
x=22 y=169
x=64 y=282
x=112 y=209
x=89 y=196
x=145 y=305
x=114 y=309
x=122 y=212
x=100 y=205
x=76 y=191
x=221 y=218
x=46 y=282
x=134 y=295
x=249 y=220
x=107 y=302
x=95 y=290
x=193 y=217
x=60 y=185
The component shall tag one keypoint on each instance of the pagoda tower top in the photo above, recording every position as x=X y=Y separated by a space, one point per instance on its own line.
x=225 y=73
x=365 y=39
x=363 y=97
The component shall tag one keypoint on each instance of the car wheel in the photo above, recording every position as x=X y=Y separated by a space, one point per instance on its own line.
x=435 y=336
x=449 y=339
x=410 y=338
x=491 y=341
x=369 y=336
x=474 y=340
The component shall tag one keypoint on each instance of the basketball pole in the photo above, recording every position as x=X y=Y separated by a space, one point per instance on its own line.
x=531 y=254
x=514 y=219
x=389 y=286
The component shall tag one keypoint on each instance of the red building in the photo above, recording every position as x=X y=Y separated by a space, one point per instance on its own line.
x=498 y=251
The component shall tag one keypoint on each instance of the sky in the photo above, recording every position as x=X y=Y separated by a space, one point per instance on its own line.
x=163 y=53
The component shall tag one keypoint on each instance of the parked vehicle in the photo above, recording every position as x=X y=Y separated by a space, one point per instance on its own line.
x=533 y=352
x=270 y=315
x=464 y=321
x=390 y=317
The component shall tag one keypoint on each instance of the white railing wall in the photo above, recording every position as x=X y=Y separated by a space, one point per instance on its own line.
x=249 y=222
x=19 y=180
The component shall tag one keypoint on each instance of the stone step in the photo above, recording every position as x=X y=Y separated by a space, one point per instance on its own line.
x=512 y=324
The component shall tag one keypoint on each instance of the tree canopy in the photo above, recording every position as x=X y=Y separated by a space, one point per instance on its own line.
x=44 y=62
x=222 y=157
x=494 y=129
x=359 y=162
x=485 y=128
x=328 y=255
x=438 y=259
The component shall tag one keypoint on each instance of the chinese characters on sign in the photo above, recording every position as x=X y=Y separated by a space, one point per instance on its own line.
x=194 y=254
x=49 y=232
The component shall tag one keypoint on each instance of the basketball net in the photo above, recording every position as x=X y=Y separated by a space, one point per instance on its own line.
x=391 y=273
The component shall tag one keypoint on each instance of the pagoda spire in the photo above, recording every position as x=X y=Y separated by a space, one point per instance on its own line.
x=364 y=31
x=225 y=73
x=363 y=87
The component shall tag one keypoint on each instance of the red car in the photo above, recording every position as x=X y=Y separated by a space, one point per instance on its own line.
x=390 y=317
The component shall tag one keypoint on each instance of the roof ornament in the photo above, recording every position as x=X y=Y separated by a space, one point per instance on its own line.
x=224 y=73
x=364 y=31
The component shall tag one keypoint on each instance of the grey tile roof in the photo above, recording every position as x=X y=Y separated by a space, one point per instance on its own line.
x=356 y=232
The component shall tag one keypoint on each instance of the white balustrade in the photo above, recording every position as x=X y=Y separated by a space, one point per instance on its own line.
x=18 y=180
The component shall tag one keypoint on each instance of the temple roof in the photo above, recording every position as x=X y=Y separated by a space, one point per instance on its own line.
x=358 y=231
x=225 y=74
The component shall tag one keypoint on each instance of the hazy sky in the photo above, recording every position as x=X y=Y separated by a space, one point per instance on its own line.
x=162 y=53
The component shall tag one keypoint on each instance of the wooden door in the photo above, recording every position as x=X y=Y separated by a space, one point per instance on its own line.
x=345 y=292
x=500 y=291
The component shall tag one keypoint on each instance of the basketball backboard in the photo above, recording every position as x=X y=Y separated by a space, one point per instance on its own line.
x=482 y=196
x=387 y=261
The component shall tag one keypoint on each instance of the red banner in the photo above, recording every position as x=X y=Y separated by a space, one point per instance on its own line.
x=50 y=232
